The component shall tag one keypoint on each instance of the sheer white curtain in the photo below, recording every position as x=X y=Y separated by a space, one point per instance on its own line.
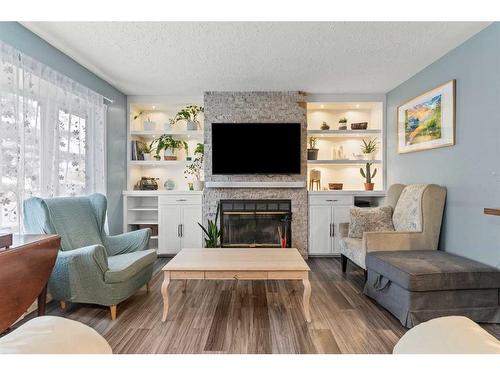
x=52 y=135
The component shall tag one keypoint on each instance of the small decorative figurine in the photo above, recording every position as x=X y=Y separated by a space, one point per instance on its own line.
x=325 y=126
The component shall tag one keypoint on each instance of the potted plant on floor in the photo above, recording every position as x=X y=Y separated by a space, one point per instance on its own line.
x=188 y=114
x=212 y=231
x=312 y=151
x=196 y=167
x=369 y=148
x=170 y=147
x=368 y=175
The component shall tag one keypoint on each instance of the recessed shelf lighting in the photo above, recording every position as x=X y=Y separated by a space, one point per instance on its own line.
x=357 y=105
x=322 y=106
x=154 y=107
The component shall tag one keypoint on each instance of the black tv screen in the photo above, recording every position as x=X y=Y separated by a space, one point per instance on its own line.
x=256 y=148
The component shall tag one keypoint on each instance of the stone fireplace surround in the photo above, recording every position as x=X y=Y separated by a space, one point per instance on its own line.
x=255 y=107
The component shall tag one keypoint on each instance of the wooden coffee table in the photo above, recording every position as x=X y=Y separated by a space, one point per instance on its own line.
x=237 y=264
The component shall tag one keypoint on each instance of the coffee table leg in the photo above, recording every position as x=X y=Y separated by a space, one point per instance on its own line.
x=306 y=297
x=164 y=293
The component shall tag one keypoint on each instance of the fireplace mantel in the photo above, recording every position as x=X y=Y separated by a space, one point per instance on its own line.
x=256 y=184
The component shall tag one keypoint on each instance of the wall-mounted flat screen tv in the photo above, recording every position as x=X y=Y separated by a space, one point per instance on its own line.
x=256 y=148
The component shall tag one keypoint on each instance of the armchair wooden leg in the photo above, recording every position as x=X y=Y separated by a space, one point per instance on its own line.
x=148 y=287
x=343 y=260
x=62 y=305
x=112 y=308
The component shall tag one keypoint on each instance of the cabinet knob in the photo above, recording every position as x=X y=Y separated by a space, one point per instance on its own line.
x=332 y=200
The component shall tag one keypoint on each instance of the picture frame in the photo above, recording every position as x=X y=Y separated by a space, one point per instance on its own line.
x=428 y=120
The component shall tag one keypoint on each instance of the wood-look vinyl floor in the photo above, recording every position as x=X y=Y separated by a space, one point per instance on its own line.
x=249 y=317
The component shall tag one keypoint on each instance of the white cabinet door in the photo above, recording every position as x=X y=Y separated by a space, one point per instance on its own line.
x=341 y=214
x=191 y=231
x=169 y=220
x=320 y=240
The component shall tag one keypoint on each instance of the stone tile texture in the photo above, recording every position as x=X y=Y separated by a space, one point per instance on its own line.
x=238 y=107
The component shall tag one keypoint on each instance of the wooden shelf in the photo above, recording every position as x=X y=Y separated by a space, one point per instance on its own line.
x=492 y=211
x=342 y=162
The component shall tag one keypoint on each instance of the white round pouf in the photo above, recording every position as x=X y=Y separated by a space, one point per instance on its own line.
x=54 y=335
x=447 y=335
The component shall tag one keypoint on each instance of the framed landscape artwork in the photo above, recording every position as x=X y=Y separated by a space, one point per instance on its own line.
x=428 y=121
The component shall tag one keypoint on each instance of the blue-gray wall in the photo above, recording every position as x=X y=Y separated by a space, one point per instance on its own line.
x=471 y=169
x=24 y=40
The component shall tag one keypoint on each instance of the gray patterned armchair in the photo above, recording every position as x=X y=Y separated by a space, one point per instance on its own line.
x=91 y=267
x=417 y=214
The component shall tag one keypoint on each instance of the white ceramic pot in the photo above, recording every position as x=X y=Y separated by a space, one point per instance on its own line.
x=198 y=185
x=370 y=156
x=149 y=125
x=147 y=156
x=192 y=125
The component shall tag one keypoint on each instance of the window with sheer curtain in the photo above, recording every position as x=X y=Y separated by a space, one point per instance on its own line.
x=52 y=135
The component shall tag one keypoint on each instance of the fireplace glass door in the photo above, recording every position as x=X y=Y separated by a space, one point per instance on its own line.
x=262 y=223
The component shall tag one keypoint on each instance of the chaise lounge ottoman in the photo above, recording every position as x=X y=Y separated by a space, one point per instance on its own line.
x=419 y=285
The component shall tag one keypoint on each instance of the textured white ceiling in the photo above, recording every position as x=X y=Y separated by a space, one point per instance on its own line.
x=166 y=58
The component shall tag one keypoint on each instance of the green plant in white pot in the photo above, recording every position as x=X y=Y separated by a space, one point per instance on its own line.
x=196 y=167
x=169 y=146
x=190 y=115
x=147 y=150
x=369 y=148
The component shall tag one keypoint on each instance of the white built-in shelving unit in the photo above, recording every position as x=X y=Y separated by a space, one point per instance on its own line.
x=329 y=208
x=147 y=207
x=346 y=169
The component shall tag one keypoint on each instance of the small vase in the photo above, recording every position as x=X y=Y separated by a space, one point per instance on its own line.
x=198 y=185
x=169 y=184
x=193 y=125
x=369 y=186
x=312 y=154
x=370 y=156
x=149 y=126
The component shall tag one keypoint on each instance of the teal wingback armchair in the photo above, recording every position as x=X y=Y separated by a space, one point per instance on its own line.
x=91 y=267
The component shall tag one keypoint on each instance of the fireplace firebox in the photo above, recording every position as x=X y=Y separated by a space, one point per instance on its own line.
x=256 y=223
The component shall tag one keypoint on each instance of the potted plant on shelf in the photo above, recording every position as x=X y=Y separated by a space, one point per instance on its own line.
x=169 y=145
x=368 y=175
x=343 y=124
x=195 y=168
x=312 y=151
x=147 y=150
x=369 y=148
x=212 y=231
x=188 y=114
x=325 y=126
